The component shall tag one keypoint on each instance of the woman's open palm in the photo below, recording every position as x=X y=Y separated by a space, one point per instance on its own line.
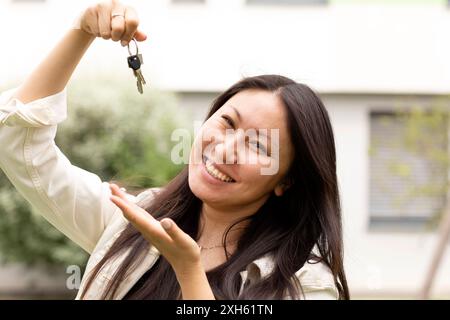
x=174 y=244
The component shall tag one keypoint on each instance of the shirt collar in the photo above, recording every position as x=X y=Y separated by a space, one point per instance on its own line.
x=263 y=265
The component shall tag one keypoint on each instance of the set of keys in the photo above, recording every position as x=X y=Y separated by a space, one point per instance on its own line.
x=135 y=61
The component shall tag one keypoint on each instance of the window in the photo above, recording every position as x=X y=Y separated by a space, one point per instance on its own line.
x=283 y=2
x=408 y=170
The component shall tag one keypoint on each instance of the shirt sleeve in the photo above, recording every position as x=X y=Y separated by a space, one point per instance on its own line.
x=317 y=282
x=320 y=292
x=73 y=200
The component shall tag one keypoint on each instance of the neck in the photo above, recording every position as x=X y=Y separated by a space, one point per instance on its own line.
x=215 y=221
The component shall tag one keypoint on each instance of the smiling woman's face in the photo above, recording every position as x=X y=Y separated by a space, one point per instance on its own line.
x=227 y=159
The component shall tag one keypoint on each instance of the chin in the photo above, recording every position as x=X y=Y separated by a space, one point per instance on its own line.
x=195 y=183
x=199 y=189
x=204 y=191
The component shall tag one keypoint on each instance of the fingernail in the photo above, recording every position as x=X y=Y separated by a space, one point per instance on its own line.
x=166 y=224
x=123 y=43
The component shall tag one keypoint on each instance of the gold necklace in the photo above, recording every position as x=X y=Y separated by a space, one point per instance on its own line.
x=218 y=246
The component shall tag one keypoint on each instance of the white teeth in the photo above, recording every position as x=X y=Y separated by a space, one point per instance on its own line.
x=216 y=173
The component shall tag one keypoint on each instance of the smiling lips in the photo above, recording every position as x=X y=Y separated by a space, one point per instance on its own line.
x=214 y=172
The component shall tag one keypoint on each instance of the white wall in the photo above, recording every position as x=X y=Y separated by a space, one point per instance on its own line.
x=198 y=47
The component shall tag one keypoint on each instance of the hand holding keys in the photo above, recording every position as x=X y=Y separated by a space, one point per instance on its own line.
x=111 y=19
x=134 y=63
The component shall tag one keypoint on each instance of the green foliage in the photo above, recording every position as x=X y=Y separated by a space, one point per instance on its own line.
x=112 y=131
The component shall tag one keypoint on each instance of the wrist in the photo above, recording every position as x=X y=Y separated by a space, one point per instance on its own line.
x=188 y=272
x=194 y=284
x=77 y=25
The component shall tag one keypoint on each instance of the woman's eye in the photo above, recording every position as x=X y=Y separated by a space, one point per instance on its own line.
x=228 y=120
x=259 y=146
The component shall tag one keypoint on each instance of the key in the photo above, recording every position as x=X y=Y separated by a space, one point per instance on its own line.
x=139 y=86
x=134 y=62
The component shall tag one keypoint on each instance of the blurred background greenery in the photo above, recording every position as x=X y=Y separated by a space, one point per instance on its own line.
x=112 y=131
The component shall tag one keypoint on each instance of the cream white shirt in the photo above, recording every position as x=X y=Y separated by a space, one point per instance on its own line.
x=77 y=203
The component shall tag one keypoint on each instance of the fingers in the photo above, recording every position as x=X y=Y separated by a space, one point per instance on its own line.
x=178 y=236
x=131 y=24
x=149 y=227
x=141 y=218
x=166 y=236
x=140 y=36
x=104 y=20
x=172 y=229
x=126 y=208
x=130 y=210
x=144 y=222
x=89 y=22
x=112 y=20
x=117 y=22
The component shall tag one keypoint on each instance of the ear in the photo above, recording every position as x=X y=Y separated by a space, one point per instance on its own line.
x=282 y=187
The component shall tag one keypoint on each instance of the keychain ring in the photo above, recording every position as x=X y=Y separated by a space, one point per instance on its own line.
x=135 y=44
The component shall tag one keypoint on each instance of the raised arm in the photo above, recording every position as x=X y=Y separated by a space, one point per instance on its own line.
x=74 y=200
x=52 y=75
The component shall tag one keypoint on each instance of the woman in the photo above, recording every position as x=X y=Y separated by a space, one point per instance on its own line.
x=223 y=228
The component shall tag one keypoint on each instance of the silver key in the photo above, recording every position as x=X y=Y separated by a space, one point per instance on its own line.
x=139 y=86
x=138 y=73
x=134 y=62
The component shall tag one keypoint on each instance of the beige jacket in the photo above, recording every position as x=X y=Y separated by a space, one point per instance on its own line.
x=77 y=202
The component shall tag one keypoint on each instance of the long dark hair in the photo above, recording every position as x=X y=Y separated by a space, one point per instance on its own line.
x=288 y=227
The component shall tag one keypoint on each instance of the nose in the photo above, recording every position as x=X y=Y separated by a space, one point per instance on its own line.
x=227 y=151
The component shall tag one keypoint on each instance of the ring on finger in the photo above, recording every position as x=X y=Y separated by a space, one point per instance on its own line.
x=117 y=15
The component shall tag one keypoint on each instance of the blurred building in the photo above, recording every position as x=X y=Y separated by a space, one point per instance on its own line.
x=365 y=58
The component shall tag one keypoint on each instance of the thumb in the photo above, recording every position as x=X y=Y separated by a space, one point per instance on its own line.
x=174 y=231
x=140 y=36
